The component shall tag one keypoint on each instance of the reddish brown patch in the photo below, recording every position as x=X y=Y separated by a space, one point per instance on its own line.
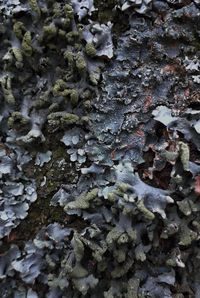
x=197 y=185
x=169 y=68
x=11 y=237
x=148 y=102
x=140 y=133
x=112 y=154
x=187 y=92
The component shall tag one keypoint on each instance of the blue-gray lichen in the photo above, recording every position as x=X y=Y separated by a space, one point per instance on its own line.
x=100 y=121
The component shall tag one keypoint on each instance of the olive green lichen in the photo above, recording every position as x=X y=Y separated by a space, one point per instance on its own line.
x=57 y=9
x=74 y=96
x=7 y=90
x=17 y=54
x=19 y=29
x=69 y=12
x=16 y=118
x=146 y=212
x=34 y=6
x=26 y=44
x=69 y=56
x=90 y=49
x=80 y=63
x=72 y=37
x=83 y=201
x=62 y=119
x=184 y=155
x=50 y=31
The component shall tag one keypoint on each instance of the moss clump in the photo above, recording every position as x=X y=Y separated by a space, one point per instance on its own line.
x=69 y=56
x=7 y=90
x=19 y=29
x=80 y=63
x=16 y=118
x=72 y=37
x=69 y=12
x=70 y=119
x=90 y=49
x=57 y=10
x=58 y=87
x=50 y=31
x=34 y=6
x=62 y=119
x=74 y=96
x=17 y=54
x=26 y=44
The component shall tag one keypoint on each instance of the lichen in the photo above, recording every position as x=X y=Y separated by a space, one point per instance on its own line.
x=26 y=44
x=34 y=6
x=7 y=89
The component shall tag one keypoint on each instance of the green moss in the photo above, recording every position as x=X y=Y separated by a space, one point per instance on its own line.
x=69 y=12
x=7 y=90
x=34 y=6
x=57 y=9
x=16 y=118
x=74 y=96
x=80 y=63
x=19 y=29
x=50 y=31
x=59 y=152
x=90 y=49
x=72 y=37
x=61 y=120
x=69 y=56
x=59 y=85
x=26 y=44
x=69 y=119
x=17 y=54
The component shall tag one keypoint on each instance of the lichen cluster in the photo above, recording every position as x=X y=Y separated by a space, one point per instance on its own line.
x=99 y=149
